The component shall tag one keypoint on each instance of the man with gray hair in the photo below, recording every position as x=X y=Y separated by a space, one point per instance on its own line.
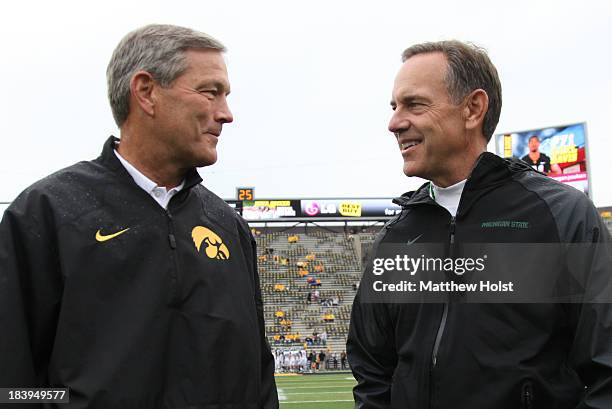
x=124 y=279
x=439 y=349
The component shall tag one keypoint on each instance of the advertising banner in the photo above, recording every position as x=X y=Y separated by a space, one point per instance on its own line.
x=349 y=208
x=559 y=152
x=287 y=209
x=270 y=209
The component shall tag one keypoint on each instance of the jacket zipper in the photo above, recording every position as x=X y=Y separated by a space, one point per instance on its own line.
x=442 y=325
x=527 y=396
x=172 y=243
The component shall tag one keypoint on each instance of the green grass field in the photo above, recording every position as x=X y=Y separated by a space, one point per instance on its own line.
x=316 y=391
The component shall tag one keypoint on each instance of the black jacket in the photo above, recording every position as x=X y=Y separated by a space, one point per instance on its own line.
x=493 y=355
x=163 y=315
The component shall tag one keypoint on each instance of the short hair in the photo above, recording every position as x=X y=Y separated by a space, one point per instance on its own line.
x=158 y=49
x=468 y=68
x=533 y=136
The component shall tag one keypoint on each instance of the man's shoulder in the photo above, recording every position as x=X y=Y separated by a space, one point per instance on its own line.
x=546 y=186
x=61 y=196
x=68 y=180
x=568 y=205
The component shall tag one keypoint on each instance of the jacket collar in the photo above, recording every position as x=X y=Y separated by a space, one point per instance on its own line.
x=489 y=172
x=109 y=160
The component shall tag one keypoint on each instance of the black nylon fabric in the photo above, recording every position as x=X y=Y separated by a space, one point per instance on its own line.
x=142 y=320
x=502 y=356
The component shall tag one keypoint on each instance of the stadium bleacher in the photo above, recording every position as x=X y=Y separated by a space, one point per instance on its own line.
x=332 y=261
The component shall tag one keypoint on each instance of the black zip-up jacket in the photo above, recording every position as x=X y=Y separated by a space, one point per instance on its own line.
x=496 y=355
x=127 y=304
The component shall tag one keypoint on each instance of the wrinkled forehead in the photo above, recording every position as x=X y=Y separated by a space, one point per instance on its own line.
x=206 y=65
x=203 y=59
x=422 y=73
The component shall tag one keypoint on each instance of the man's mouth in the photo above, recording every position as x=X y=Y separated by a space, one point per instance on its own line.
x=406 y=146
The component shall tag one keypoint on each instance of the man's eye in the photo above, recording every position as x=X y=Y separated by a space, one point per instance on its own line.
x=416 y=105
x=208 y=92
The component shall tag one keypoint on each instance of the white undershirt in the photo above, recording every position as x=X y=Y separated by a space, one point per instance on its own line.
x=448 y=197
x=159 y=193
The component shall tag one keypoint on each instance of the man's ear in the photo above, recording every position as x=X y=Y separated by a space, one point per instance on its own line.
x=141 y=87
x=476 y=106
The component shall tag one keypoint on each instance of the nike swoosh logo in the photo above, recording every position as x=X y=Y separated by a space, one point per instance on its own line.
x=413 y=240
x=100 y=237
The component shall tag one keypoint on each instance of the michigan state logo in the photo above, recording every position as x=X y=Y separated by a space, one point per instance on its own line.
x=509 y=224
x=213 y=245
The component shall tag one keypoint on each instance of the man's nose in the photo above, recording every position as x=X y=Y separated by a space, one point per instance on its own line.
x=397 y=124
x=224 y=114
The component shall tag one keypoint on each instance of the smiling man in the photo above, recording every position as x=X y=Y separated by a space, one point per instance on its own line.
x=123 y=278
x=446 y=103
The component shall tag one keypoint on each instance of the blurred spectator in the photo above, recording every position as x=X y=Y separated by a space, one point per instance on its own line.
x=312 y=358
x=321 y=358
x=315 y=295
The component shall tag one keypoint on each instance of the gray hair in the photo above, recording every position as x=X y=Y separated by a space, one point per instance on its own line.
x=158 y=49
x=469 y=68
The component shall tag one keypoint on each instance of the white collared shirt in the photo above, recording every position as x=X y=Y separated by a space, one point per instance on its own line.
x=159 y=193
x=448 y=197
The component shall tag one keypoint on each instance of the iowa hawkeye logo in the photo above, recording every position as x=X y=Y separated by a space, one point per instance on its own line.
x=214 y=245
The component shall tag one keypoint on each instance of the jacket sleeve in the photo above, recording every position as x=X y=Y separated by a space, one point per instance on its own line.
x=371 y=354
x=591 y=352
x=30 y=290
x=370 y=347
x=269 y=395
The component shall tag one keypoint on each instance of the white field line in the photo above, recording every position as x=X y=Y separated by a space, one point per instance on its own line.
x=285 y=388
x=318 y=393
x=281 y=395
x=312 y=379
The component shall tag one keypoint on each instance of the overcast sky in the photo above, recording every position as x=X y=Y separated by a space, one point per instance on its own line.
x=311 y=83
